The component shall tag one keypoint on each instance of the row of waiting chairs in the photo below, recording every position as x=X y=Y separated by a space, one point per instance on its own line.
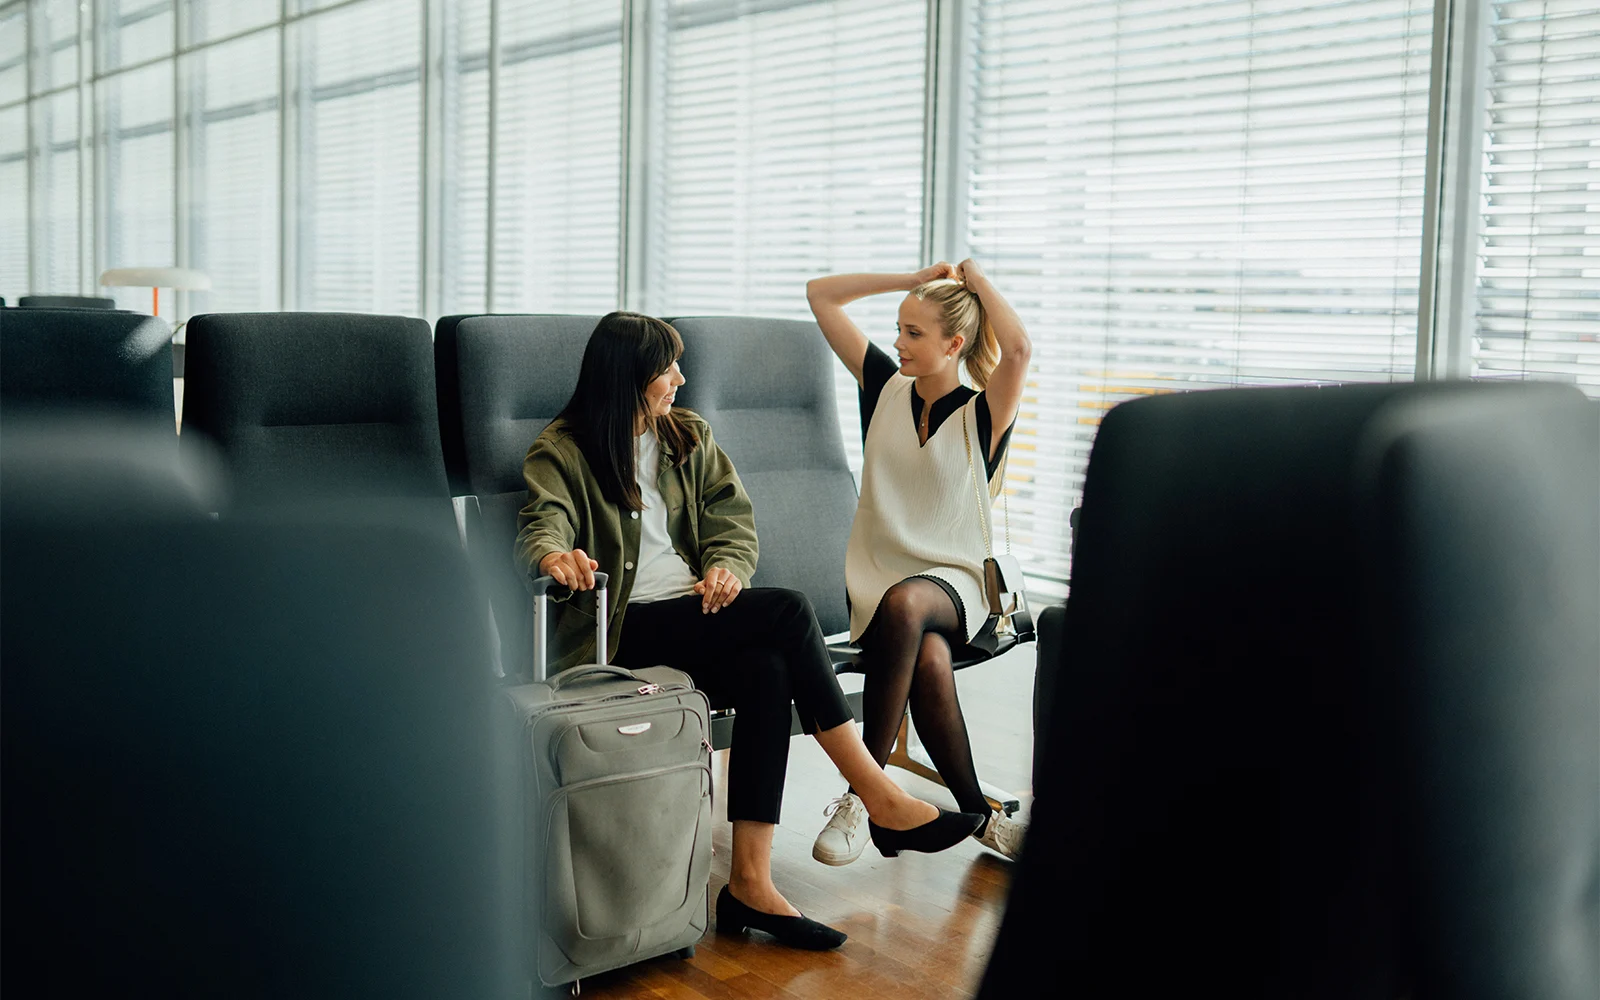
x=339 y=407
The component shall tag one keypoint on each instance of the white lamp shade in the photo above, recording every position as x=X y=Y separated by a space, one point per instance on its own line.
x=181 y=278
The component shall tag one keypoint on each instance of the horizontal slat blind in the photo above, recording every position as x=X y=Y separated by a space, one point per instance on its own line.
x=790 y=145
x=232 y=207
x=136 y=113
x=205 y=20
x=13 y=203
x=1539 y=259
x=54 y=31
x=132 y=31
x=360 y=158
x=56 y=195
x=1180 y=194
x=13 y=54
x=558 y=157
x=465 y=184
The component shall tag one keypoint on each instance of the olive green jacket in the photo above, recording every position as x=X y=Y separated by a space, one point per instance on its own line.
x=709 y=520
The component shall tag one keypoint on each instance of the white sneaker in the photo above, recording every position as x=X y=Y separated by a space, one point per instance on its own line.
x=1003 y=834
x=845 y=836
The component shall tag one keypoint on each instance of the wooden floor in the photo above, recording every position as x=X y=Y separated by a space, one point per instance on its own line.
x=919 y=925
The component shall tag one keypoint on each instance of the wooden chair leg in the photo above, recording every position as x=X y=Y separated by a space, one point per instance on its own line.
x=910 y=756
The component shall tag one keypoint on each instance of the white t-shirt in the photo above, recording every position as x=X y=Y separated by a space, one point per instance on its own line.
x=660 y=574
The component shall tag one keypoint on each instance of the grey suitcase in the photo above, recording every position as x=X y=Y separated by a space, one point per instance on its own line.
x=615 y=810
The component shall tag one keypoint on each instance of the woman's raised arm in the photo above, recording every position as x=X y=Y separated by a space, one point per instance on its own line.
x=1004 y=391
x=828 y=297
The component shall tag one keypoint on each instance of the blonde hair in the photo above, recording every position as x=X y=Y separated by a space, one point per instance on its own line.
x=961 y=313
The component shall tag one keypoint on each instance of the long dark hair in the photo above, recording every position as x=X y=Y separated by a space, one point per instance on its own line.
x=625 y=353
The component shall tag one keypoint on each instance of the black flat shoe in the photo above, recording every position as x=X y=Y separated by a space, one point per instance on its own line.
x=796 y=932
x=940 y=833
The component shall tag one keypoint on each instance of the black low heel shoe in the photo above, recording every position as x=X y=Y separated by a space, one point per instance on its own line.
x=940 y=833
x=796 y=932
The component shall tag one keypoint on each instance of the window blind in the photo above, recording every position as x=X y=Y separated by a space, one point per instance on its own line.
x=1539 y=258
x=132 y=31
x=13 y=53
x=54 y=32
x=205 y=20
x=14 y=227
x=465 y=184
x=558 y=157
x=789 y=145
x=1180 y=194
x=360 y=158
x=55 y=194
x=232 y=205
x=136 y=153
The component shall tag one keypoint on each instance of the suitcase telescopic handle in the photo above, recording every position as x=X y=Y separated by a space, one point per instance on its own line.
x=541 y=587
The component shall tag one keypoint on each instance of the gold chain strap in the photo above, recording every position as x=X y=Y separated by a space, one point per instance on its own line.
x=977 y=494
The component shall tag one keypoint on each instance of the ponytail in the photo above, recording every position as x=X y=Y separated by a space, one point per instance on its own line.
x=962 y=314
x=982 y=352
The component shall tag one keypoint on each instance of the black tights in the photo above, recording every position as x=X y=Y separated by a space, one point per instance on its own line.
x=907 y=660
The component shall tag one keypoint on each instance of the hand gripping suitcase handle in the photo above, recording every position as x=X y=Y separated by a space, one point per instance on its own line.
x=541 y=587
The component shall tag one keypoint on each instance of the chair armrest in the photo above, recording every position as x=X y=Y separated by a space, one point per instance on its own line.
x=1046 y=674
x=846 y=658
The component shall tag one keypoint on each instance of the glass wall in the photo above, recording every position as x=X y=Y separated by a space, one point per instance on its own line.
x=1176 y=194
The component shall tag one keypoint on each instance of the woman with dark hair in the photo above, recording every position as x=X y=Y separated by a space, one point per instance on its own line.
x=625 y=482
x=914 y=565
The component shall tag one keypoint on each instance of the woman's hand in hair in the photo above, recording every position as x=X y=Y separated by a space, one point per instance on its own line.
x=935 y=272
x=717 y=590
x=970 y=273
x=570 y=569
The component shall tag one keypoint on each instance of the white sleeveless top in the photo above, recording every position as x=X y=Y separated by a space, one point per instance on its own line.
x=918 y=515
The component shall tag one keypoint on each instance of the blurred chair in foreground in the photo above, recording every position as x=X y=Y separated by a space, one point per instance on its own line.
x=247 y=757
x=1282 y=754
x=58 y=360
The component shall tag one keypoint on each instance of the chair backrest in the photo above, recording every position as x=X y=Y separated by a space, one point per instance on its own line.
x=1485 y=579
x=766 y=388
x=502 y=379
x=73 y=359
x=316 y=405
x=1211 y=758
x=268 y=738
x=66 y=302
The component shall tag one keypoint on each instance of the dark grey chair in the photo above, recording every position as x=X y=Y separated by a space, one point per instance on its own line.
x=249 y=757
x=319 y=407
x=501 y=379
x=1484 y=576
x=66 y=302
x=766 y=386
x=1294 y=723
x=72 y=359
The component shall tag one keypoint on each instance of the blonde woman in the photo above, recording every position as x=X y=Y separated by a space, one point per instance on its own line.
x=914 y=566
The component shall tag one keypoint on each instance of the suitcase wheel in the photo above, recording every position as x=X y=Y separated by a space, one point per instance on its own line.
x=685 y=953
